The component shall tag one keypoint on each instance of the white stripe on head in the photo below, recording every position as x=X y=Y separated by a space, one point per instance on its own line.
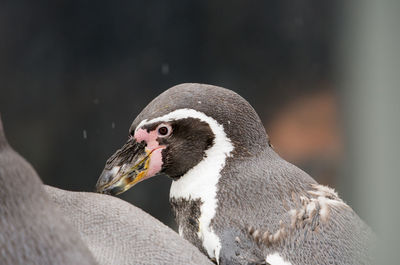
x=276 y=259
x=200 y=182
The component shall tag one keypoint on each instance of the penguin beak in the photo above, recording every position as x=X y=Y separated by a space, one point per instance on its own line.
x=125 y=168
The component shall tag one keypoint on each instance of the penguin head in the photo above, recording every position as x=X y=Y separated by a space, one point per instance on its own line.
x=178 y=130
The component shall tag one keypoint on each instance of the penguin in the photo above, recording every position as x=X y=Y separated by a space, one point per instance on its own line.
x=32 y=229
x=232 y=195
x=117 y=232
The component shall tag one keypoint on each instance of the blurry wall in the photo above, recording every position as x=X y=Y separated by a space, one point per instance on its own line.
x=74 y=74
x=370 y=77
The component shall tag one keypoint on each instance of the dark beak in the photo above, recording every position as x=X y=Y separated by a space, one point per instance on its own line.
x=124 y=169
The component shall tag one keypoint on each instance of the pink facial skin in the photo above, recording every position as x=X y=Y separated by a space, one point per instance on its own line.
x=152 y=146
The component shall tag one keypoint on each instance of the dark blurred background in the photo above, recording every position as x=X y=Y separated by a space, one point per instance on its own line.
x=74 y=74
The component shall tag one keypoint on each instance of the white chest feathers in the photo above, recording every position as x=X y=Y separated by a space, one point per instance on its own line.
x=276 y=259
x=201 y=181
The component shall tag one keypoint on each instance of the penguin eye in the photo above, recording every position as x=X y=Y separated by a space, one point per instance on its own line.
x=164 y=130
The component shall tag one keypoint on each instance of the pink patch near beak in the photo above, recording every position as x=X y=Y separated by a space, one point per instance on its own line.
x=153 y=147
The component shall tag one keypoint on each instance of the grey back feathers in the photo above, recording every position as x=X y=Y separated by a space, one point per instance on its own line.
x=274 y=207
x=32 y=230
x=119 y=233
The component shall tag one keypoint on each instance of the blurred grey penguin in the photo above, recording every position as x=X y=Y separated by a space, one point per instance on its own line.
x=32 y=230
x=119 y=233
x=232 y=195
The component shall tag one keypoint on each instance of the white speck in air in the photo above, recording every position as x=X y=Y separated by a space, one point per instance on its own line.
x=113 y=125
x=165 y=68
x=84 y=134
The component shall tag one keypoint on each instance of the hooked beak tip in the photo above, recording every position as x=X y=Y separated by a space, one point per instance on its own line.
x=105 y=177
x=104 y=181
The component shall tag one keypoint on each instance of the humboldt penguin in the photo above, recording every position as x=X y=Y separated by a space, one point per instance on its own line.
x=32 y=229
x=233 y=196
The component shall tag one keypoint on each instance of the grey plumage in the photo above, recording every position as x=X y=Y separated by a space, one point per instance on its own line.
x=119 y=233
x=32 y=230
x=276 y=198
x=265 y=205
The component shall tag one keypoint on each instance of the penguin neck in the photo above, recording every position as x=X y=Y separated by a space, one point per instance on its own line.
x=200 y=183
